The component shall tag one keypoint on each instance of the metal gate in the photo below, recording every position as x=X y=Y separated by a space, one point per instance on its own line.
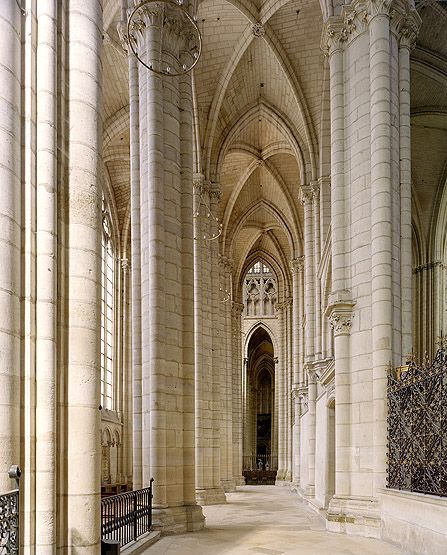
x=417 y=426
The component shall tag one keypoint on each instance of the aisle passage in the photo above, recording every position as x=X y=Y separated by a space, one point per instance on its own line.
x=266 y=520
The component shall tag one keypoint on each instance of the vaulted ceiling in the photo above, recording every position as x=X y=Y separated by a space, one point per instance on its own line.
x=262 y=117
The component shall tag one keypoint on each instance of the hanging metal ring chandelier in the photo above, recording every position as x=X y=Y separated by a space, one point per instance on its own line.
x=189 y=48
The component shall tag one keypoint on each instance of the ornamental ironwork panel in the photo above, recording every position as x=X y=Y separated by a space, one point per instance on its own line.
x=417 y=426
x=9 y=523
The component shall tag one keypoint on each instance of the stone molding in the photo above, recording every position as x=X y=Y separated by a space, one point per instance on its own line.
x=355 y=18
x=354 y=515
x=326 y=370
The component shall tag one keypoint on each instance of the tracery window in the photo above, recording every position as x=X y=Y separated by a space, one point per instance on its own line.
x=107 y=311
x=260 y=291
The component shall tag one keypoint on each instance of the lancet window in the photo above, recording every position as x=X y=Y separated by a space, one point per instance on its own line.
x=260 y=291
x=107 y=311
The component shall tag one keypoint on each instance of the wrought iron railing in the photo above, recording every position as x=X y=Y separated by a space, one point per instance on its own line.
x=260 y=462
x=417 y=427
x=9 y=517
x=126 y=516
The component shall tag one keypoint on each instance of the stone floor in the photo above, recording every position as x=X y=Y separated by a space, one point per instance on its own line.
x=266 y=520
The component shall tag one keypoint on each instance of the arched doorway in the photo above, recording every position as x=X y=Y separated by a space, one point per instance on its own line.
x=260 y=422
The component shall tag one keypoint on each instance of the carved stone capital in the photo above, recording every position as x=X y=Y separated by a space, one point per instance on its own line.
x=356 y=17
x=340 y=312
x=334 y=35
x=341 y=322
x=226 y=264
x=125 y=264
x=406 y=26
x=236 y=308
x=201 y=185
x=215 y=192
x=297 y=265
x=306 y=194
x=315 y=188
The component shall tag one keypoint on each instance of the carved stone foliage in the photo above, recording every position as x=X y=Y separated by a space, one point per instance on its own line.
x=341 y=322
x=356 y=17
x=258 y=30
x=297 y=265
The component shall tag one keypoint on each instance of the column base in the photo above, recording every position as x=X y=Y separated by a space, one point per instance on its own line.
x=356 y=516
x=239 y=481
x=309 y=491
x=178 y=520
x=228 y=485
x=283 y=482
x=295 y=486
x=210 y=496
x=280 y=473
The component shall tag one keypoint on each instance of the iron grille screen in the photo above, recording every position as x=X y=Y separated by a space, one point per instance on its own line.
x=9 y=523
x=417 y=427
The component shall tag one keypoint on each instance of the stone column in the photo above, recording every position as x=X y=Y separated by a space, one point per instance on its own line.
x=339 y=313
x=297 y=266
x=137 y=446
x=341 y=321
x=228 y=444
x=84 y=277
x=280 y=388
x=207 y=371
x=381 y=230
x=369 y=252
x=311 y=400
x=127 y=441
x=430 y=283
x=315 y=188
x=407 y=41
x=288 y=338
x=167 y=279
x=310 y=330
x=306 y=199
x=10 y=221
x=275 y=415
x=239 y=395
x=46 y=276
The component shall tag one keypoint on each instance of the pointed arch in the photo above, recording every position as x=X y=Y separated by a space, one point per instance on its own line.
x=256 y=326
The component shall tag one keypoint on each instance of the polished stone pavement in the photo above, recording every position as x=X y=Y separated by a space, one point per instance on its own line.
x=266 y=520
